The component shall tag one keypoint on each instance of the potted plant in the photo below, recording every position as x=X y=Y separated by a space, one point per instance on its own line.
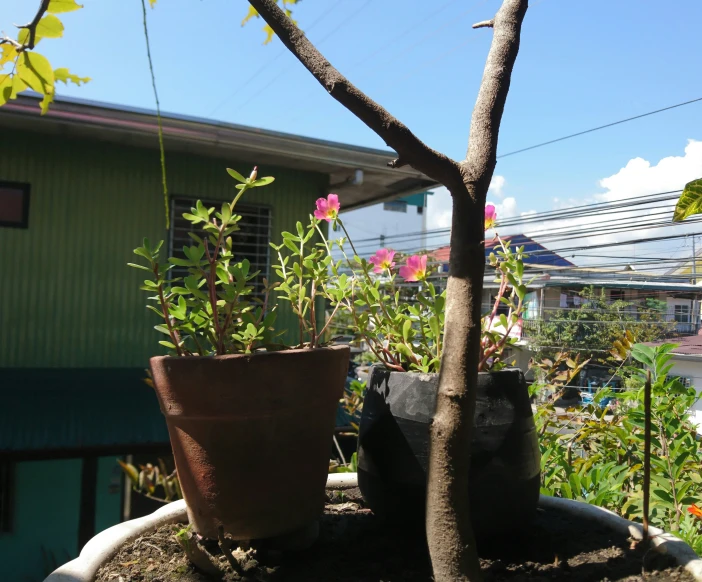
x=233 y=398
x=399 y=312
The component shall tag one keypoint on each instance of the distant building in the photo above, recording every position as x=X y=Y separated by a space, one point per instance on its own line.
x=555 y=284
x=687 y=366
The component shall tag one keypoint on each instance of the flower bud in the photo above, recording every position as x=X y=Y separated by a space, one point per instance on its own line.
x=254 y=173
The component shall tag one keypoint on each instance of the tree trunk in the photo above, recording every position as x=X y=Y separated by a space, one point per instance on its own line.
x=449 y=531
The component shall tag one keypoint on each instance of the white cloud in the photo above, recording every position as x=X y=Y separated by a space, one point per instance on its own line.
x=440 y=204
x=637 y=178
x=496 y=185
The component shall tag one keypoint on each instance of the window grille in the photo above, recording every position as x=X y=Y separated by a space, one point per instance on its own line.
x=250 y=242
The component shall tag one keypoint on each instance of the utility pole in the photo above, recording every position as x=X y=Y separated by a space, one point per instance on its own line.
x=696 y=315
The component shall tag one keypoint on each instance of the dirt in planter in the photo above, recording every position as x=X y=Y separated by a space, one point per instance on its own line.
x=356 y=546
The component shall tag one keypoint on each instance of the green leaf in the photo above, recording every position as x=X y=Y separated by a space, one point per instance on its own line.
x=49 y=27
x=5 y=89
x=406 y=327
x=236 y=175
x=65 y=76
x=59 y=6
x=434 y=325
x=263 y=181
x=34 y=69
x=138 y=266
x=690 y=201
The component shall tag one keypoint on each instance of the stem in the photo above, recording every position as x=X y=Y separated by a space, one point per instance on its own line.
x=666 y=453
x=158 y=116
x=166 y=315
x=313 y=319
x=647 y=455
x=331 y=317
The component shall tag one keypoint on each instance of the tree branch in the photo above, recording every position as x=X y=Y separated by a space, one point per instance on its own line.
x=484 y=24
x=32 y=26
x=481 y=156
x=411 y=150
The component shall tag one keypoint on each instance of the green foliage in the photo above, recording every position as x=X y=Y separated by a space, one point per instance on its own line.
x=303 y=268
x=21 y=67
x=690 y=201
x=211 y=310
x=153 y=481
x=597 y=324
x=403 y=321
x=596 y=455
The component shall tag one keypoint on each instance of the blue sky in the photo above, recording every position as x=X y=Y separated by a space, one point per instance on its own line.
x=581 y=64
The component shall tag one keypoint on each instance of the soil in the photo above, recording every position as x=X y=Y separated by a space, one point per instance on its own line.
x=356 y=546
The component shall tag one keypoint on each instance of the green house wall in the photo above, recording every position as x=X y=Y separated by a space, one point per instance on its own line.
x=67 y=298
x=45 y=515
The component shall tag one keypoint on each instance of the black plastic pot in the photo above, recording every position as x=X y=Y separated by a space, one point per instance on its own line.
x=393 y=449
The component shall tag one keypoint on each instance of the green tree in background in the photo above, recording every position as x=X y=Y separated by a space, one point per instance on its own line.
x=593 y=327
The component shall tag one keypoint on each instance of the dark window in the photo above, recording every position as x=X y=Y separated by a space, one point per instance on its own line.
x=682 y=313
x=250 y=241
x=616 y=295
x=14 y=204
x=6 y=483
x=395 y=206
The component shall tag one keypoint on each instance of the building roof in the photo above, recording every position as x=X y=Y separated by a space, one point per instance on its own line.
x=64 y=410
x=687 y=346
x=536 y=253
x=138 y=127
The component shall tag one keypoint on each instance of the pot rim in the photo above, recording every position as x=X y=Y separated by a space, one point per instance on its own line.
x=380 y=365
x=292 y=351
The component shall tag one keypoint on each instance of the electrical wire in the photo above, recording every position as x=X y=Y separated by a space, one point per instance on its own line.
x=267 y=64
x=572 y=135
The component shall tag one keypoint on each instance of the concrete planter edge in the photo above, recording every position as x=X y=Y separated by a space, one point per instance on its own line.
x=104 y=545
x=100 y=549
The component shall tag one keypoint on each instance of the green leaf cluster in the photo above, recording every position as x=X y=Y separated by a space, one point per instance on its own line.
x=596 y=455
x=22 y=67
x=212 y=310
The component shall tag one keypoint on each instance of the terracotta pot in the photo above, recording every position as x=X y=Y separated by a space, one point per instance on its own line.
x=393 y=449
x=239 y=423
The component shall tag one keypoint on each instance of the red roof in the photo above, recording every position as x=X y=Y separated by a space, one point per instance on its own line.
x=688 y=345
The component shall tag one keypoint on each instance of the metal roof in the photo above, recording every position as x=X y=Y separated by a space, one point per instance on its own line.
x=85 y=119
x=77 y=409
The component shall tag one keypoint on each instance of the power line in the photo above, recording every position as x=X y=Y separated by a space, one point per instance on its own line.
x=263 y=67
x=538 y=145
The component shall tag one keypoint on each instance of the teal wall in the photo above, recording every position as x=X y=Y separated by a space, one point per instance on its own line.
x=46 y=504
x=67 y=298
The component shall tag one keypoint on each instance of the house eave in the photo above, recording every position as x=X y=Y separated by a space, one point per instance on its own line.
x=78 y=118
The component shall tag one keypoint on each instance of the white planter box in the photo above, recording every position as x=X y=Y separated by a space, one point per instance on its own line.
x=99 y=550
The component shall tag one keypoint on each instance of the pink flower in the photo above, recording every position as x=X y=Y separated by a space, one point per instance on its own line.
x=415 y=268
x=327 y=208
x=490 y=217
x=382 y=260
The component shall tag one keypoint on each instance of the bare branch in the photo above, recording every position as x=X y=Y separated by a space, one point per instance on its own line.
x=409 y=147
x=481 y=156
x=485 y=24
x=8 y=40
x=32 y=26
x=397 y=163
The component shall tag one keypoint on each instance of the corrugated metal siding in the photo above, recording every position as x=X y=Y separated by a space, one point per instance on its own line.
x=67 y=298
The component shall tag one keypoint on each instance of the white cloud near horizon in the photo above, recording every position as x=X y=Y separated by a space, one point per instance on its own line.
x=638 y=177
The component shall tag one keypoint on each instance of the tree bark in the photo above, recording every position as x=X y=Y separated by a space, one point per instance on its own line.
x=449 y=531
